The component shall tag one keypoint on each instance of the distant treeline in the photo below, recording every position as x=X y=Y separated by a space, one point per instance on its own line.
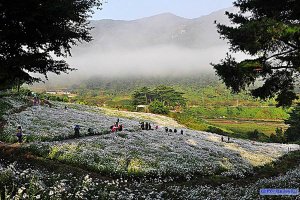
x=126 y=85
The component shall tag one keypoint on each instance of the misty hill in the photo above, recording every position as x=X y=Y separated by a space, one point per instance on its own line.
x=127 y=85
x=161 y=45
x=162 y=29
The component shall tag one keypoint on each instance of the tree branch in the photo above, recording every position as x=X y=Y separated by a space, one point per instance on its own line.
x=288 y=43
x=283 y=67
x=279 y=54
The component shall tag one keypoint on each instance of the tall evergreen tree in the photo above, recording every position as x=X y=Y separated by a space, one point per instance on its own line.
x=166 y=95
x=141 y=96
x=293 y=132
x=268 y=31
x=169 y=96
x=32 y=32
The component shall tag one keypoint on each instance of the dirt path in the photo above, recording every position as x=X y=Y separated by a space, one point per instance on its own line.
x=160 y=120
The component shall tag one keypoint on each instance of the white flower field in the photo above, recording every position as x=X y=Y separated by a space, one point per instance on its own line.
x=138 y=162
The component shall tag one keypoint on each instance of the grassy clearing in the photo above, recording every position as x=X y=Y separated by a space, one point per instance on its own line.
x=244 y=127
x=253 y=113
x=234 y=121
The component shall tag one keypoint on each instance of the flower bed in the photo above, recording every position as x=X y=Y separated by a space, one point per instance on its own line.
x=32 y=182
x=41 y=123
x=133 y=151
x=158 y=153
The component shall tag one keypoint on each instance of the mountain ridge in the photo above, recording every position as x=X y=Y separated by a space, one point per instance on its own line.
x=161 y=29
x=163 y=44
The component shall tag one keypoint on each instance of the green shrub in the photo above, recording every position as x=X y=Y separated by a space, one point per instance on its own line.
x=278 y=137
x=4 y=107
x=158 y=107
x=217 y=130
x=253 y=134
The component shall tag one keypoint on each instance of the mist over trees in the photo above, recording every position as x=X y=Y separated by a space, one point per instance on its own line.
x=35 y=34
x=268 y=31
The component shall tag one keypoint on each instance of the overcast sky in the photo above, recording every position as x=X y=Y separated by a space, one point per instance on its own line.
x=136 y=9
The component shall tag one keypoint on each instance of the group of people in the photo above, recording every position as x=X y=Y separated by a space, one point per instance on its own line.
x=147 y=126
x=116 y=127
x=228 y=139
x=168 y=130
x=37 y=101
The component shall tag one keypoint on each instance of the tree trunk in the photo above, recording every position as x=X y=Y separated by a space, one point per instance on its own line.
x=18 y=86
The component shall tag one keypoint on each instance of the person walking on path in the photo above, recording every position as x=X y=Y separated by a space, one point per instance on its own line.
x=147 y=125
x=142 y=125
x=20 y=134
x=76 y=129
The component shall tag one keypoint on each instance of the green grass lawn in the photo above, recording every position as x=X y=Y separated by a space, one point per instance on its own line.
x=253 y=113
x=235 y=121
x=243 y=127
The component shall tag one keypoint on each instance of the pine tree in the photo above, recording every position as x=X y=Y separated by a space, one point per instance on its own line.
x=293 y=132
x=268 y=31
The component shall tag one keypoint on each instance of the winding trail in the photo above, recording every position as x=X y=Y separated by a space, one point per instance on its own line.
x=161 y=120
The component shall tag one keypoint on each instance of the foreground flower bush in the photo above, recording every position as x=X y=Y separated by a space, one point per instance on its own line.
x=32 y=182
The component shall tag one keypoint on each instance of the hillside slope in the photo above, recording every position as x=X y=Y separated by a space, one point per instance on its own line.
x=133 y=150
x=132 y=164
